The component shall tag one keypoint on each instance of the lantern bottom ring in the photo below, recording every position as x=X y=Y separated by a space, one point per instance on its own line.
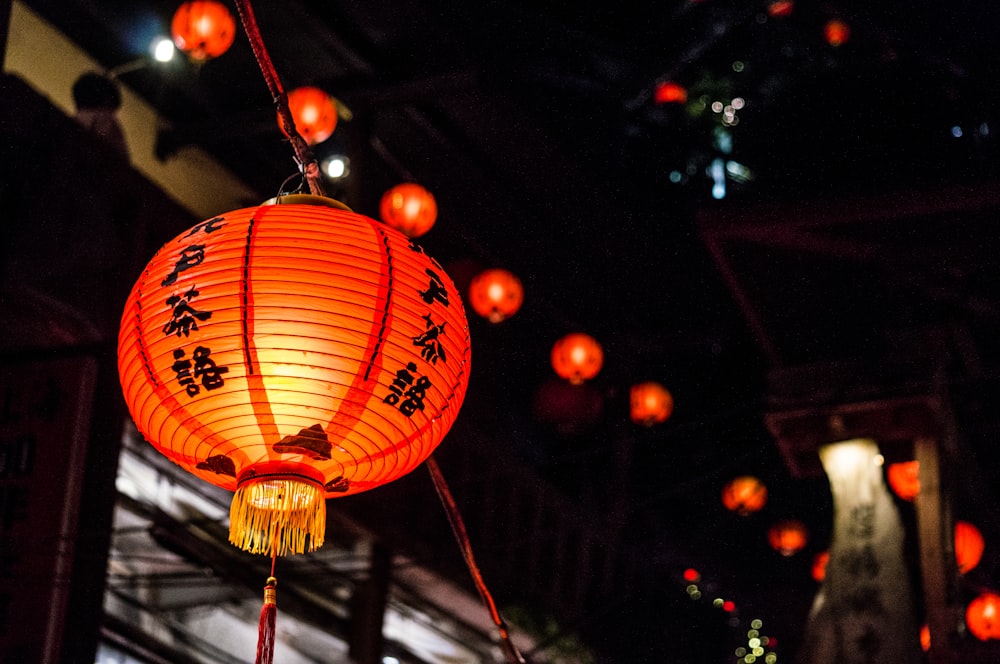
x=278 y=509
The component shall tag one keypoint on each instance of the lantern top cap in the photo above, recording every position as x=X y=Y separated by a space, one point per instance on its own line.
x=306 y=199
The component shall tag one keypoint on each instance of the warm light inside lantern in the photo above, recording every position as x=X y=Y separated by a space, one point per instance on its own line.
x=204 y=29
x=744 y=495
x=788 y=537
x=314 y=113
x=409 y=208
x=650 y=403
x=982 y=616
x=577 y=357
x=496 y=294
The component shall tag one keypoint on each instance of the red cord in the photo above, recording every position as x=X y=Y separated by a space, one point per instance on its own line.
x=303 y=154
x=465 y=545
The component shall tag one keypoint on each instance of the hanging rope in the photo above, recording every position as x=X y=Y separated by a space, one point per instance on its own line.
x=303 y=153
x=458 y=528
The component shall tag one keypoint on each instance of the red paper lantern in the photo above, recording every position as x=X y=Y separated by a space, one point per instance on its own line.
x=669 y=92
x=969 y=546
x=577 y=357
x=293 y=352
x=982 y=616
x=904 y=478
x=203 y=29
x=744 y=495
x=409 y=208
x=650 y=403
x=925 y=638
x=314 y=113
x=836 y=32
x=496 y=294
x=788 y=537
x=820 y=562
x=779 y=8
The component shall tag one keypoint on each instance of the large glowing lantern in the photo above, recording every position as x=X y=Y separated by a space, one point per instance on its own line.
x=788 y=537
x=203 y=29
x=293 y=352
x=982 y=616
x=577 y=357
x=496 y=294
x=409 y=208
x=314 y=113
x=650 y=403
x=744 y=495
x=969 y=546
x=904 y=478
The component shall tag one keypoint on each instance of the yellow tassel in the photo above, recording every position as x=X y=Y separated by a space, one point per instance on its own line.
x=278 y=516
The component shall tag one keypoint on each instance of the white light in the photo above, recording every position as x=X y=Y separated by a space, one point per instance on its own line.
x=163 y=50
x=388 y=659
x=335 y=167
x=956 y=131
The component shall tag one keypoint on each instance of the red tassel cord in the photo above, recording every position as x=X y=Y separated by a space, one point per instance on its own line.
x=268 y=618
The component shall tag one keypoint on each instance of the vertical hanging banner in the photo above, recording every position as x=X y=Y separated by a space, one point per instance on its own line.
x=864 y=612
x=45 y=411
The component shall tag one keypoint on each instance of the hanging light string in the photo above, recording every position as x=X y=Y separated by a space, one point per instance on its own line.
x=303 y=153
x=458 y=528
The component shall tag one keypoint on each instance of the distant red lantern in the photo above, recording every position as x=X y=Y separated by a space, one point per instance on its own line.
x=904 y=478
x=577 y=357
x=293 y=352
x=925 y=638
x=781 y=8
x=969 y=546
x=744 y=495
x=314 y=113
x=650 y=403
x=203 y=29
x=982 y=616
x=409 y=208
x=820 y=561
x=836 y=32
x=788 y=537
x=570 y=408
x=669 y=92
x=496 y=294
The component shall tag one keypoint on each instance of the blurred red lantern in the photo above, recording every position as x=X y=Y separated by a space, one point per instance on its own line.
x=496 y=294
x=577 y=357
x=650 y=403
x=669 y=92
x=836 y=32
x=904 y=478
x=982 y=616
x=969 y=546
x=409 y=208
x=314 y=113
x=744 y=495
x=925 y=638
x=820 y=561
x=781 y=8
x=570 y=409
x=788 y=537
x=203 y=29
x=293 y=352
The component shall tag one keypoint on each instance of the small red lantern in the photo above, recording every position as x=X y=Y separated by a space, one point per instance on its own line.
x=969 y=546
x=203 y=29
x=982 y=616
x=314 y=113
x=669 y=92
x=650 y=403
x=820 y=562
x=904 y=478
x=788 y=537
x=496 y=294
x=780 y=8
x=409 y=208
x=925 y=638
x=744 y=495
x=293 y=352
x=836 y=32
x=577 y=357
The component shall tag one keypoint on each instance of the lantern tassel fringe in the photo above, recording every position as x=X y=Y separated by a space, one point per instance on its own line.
x=278 y=517
x=268 y=620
